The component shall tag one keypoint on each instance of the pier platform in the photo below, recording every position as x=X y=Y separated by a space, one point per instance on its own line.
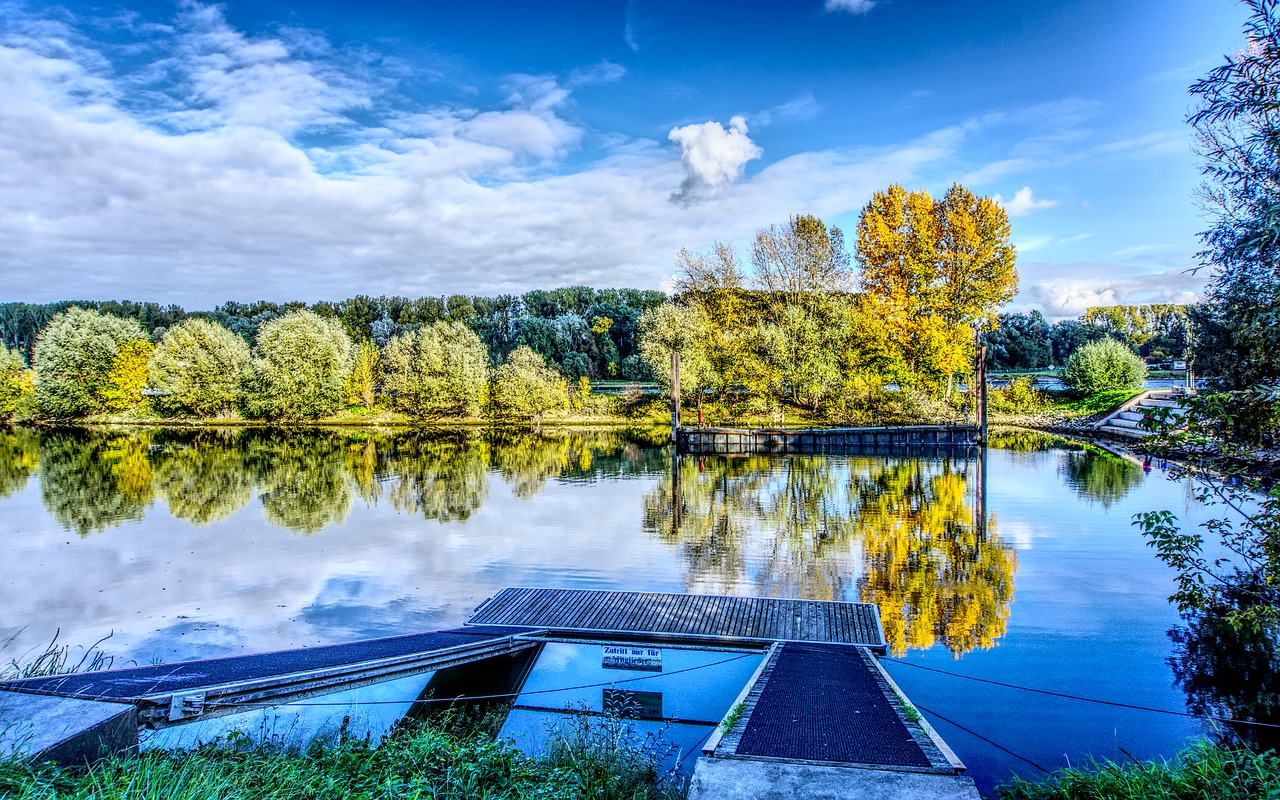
x=918 y=440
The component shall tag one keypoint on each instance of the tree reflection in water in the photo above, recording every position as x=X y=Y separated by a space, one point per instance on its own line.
x=18 y=459
x=203 y=479
x=908 y=527
x=307 y=479
x=1231 y=669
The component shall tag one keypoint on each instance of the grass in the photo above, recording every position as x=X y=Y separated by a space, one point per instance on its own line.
x=1203 y=771
x=419 y=760
x=1095 y=403
x=732 y=718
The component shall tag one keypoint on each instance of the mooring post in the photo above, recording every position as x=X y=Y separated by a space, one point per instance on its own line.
x=675 y=398
x=982 y=394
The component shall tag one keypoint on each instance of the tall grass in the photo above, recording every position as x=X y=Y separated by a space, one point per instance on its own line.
x=420 y=760
x=1203 y=771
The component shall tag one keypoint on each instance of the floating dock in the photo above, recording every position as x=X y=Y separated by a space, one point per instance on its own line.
x=765 y=697
x=919 y=440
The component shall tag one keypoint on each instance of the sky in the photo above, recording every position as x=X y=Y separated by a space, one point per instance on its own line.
x=193 y=153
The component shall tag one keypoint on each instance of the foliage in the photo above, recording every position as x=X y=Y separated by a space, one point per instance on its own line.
x=16 y=382
x=366 y=374
x=1245 y=584
x=1141 y=326
x=670 y=328
x=1019 y=341
x=1200 y=771
x=800 y=260
x=418 y=760
x=1102 y=366
x=438 y=370
x=949 y=258
x=197 y=369
x=1019 y=397
x=525 y=388
x=74 y=354
x=122 y=389
x=299 y=366
x=1237 y=123
x=1069 y=335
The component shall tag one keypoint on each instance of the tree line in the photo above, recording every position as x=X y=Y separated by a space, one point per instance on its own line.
x=1161 y=332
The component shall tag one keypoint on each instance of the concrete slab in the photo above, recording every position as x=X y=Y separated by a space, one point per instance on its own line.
x=750 y=779
x=64 y=730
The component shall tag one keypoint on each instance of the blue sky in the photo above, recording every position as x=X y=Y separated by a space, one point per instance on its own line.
x=193 y=153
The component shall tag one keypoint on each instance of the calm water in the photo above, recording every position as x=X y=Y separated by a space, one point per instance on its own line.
x=184 y=545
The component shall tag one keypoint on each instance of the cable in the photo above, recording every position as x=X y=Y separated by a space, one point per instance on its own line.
x=1085 y=699
x=974 y=733
x=472 y=698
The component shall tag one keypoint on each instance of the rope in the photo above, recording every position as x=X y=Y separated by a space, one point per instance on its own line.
x=1099 y=701
x=974 y=733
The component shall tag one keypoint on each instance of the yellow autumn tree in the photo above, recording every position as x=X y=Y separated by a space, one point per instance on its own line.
x=937 y=267
x=122 y=388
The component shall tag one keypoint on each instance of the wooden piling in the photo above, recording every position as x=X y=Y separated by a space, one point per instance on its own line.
x=675 y=396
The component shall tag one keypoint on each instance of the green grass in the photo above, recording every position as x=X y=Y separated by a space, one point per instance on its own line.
x=421 y=760
x=732 y=718
x=1094 y=403
x=1201 y=772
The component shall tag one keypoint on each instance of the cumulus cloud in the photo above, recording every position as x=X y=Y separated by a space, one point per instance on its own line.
x=1023 y=203
x=1063 y=297
x=851 y=6
x=713 y=156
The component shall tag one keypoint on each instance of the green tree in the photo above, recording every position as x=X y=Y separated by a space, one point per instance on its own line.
x=526 y=388
x=438 y=370
x=1237 y=124
x=670 y=328
x=366 y=374
x=299 y=368
x=197 y=369
x=74 y=354
x=122 y=388
x=1104 y=365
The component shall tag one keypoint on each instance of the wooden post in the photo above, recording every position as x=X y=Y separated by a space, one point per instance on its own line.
x=675 y=398
x=982 y=394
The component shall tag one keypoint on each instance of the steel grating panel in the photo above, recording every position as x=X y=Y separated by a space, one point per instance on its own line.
x=823 y=703
x=603 y=611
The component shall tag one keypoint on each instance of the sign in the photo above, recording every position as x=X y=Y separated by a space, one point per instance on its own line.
x=626 y=704
x=644 y=659
x=1179 y=365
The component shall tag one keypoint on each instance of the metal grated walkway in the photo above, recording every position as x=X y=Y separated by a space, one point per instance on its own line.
x=823 y=703
x=759 y=618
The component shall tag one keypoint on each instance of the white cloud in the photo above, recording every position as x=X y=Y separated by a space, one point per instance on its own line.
x=1024 y=204
x=1063 y=297
x=802 y=108
x=851 y=6
x=713 y=156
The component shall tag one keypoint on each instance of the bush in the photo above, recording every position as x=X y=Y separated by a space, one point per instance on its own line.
x=1102 y=366
x=16 y=383
x=1019 y=397
x=526 y=388
x=299 y=368
x=74 y=354
x=439 y=370
x=197 y=367
x=122 y=390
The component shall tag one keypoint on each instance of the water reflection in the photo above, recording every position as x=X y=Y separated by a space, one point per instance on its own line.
x=1101 y=477
x=1231 y=670
x=913 y=529
x=305 y=480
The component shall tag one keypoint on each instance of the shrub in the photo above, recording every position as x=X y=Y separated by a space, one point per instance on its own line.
x=1104 y=365
x=1019 y=397
x=525 y=387
x=197 y=368
x=16 y=383
x=74 y=354
x=438 y=370
x=299 y=368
